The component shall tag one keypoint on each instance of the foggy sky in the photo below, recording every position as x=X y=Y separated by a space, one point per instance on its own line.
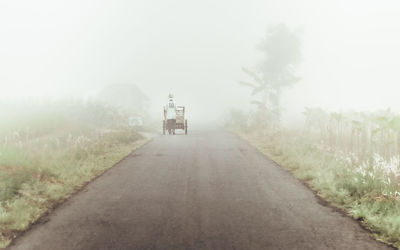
x=195 y=49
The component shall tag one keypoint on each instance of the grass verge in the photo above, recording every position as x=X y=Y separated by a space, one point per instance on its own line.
x=366 y=192
x=38 y=173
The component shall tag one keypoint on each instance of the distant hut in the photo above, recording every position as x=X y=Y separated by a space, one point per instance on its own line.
x=126 y=97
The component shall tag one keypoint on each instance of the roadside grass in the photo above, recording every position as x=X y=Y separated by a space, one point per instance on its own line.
x=47 y=156
x=363 y=189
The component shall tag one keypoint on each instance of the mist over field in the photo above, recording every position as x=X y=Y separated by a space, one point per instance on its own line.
x=310 y=87
x=196 y=49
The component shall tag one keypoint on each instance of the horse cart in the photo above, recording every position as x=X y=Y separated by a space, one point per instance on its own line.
x=181 y=122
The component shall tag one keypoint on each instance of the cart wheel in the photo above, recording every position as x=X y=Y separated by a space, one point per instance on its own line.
x=163 y=127
x=186 y=127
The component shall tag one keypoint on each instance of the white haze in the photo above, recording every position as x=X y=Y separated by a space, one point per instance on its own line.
x=195 y=49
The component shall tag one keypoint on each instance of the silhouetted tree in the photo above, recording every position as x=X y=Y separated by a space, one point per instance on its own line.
x=281 y=48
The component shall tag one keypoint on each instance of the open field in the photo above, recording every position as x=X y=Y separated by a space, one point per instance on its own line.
x=47 y=152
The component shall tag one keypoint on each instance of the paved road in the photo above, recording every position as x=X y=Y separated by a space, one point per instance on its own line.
x=206 y=190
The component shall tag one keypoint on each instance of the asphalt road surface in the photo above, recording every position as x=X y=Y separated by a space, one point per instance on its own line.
x=206 y=190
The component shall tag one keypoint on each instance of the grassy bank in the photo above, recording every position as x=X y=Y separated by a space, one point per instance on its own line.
x=367 y=189
x=48 y=153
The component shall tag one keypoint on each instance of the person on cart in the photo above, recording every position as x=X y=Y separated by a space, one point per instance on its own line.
x=170 y=114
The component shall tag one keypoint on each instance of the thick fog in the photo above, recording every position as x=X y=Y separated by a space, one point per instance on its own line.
x=196 y=49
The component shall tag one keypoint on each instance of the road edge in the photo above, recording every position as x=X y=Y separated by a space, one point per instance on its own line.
x=42 y=219
x=320 y=200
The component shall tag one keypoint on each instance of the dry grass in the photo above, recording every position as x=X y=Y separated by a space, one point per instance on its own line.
x=48 y=155
x=365 y=189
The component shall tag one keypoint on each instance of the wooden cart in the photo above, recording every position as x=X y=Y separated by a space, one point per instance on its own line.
x=181 y=122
